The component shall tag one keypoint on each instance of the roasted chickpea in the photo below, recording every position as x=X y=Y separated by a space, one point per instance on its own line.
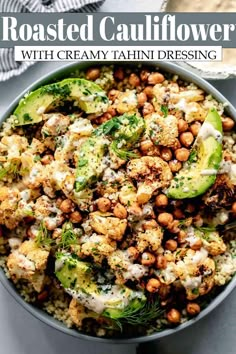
x=198 y=220
x=142 y=98
x=193 y=308
x=133 y=252
x=47 y=159
x=190 y=208
x=234 y=207
x=119 y=74
x=104 y=204
x=161 y=201
x=150 y=224
x=174 y=227
x=67 y=206
x=111 y=110
x=92 y=74
x=186 y=138
x=196 y=245
x=171 y=245
x=178 y=214
x=146 y=145
x=182 y=154
x=134 y=80
x=182 y=125
x=182 y=236
x=227 y=124
x=165 y=219
x=56 y=233
x=147 y=108
x=120 y=211
x=148 y=259
x=195 y=127
x=161 y=262
x=75 y=217
x=104 y=118
x=58 y=202
x=175 y=165
x=144 y=75
x=173 y=316
x=155 y=78
x=135 y=209
x=153 y=285
x=113 y=94
x=149 y=91
x=166 y=154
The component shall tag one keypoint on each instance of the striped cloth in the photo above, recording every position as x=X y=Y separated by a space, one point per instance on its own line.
x=8 y=66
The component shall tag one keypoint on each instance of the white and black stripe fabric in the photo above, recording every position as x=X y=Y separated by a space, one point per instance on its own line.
x=8 y=66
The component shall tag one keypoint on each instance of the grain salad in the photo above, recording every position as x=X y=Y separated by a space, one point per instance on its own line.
x=115 y=185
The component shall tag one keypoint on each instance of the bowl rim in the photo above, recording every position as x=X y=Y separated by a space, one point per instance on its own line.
x=43 y=316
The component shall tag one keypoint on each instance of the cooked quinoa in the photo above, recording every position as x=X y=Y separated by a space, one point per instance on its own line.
x=93 y=189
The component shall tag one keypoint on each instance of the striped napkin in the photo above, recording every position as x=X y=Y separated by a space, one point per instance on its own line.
x=8 y=66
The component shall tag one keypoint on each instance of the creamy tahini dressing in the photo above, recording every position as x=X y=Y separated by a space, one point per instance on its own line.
x=229 y=54
x=208 y=130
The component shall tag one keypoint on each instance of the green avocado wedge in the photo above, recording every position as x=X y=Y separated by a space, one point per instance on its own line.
x=199 y=172
x=89 y=97
x=79 y=280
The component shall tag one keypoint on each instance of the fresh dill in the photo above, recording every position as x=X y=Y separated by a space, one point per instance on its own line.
x=43 y=238
x=164 y=110
x=122 y=154
x=192 y=156
x=68 y=237
x=12 y=168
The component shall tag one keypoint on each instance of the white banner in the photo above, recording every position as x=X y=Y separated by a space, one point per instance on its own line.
x=122 y=53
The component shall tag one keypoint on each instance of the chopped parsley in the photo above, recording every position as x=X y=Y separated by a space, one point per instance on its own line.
x=164 y=110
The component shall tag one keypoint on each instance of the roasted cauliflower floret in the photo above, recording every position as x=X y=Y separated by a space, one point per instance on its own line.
x=162 y=131
x=213 y=243
x=126 y=102
x=13 y=146
x=196 y=272
x=28 y=262
x=151 y=238
x=150 y=173
x=225 y=268
x=9 y=198
x=121 y=262
x=78 y=313
x=99 y=247
x=107 y=224
x=55 y=125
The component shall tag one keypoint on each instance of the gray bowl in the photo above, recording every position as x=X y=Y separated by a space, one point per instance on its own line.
x=43 y=316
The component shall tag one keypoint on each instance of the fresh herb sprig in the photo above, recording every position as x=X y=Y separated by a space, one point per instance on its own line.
x=43 y=237
x=68 y=236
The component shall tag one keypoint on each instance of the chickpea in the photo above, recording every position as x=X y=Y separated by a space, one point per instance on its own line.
x=75 y=217
x=165 y=219
x=148 y=259
x=195 y=127
x=104 y=118
x=182 y=236
x=196 y=245
x=67 y=206
x=182 y=154
x=135 y=209
x=175 y=165
x=119 y=74
x=186 y=138
x=161 y=262
x=120 y=211
x=149 y=91
x=58 y=202
x=182 y=125
x=113 y=94
x=144 y=75
x=111 y=110
x=153 y=285
x=198 y=220
x=134 y=80
x=161 y=201
x=178 y=214
x=47 y=159
x=146 y=145
x=150 y=224
x=193 y=308
x=166 y=154
x=173 y=316
x=92 y=74
x=155 y=78
x=234 y=207
x=227 y=124
x=190 y=208
x=171 y=245
x=133 y=252
x=142 y=98
x=103 y=204
x=147 y=108
x=56 y=233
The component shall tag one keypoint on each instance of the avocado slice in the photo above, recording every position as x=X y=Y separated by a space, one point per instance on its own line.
x=199 y=172
x=78 y=279
x=89 y=97
x=90 y=164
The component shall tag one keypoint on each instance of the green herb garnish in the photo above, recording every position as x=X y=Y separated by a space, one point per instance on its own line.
x=68 y=237
x=164 y=110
